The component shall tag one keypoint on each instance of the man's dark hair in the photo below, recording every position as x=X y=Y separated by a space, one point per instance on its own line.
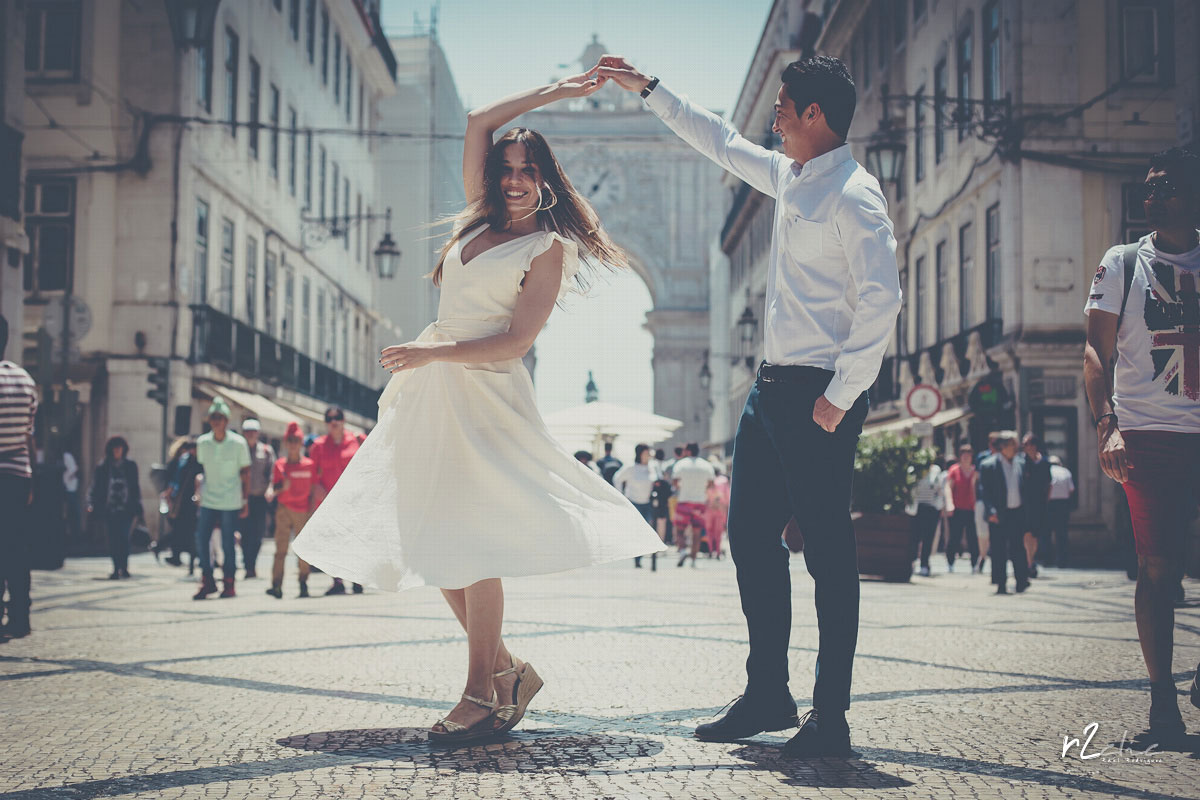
x=334 y=414
x=1033 y=440
x=823 y=80
x=112 y=444
x=693 y=448
x=1183 y=166
x=678 y=451
x=3 y=335
x=608 y=448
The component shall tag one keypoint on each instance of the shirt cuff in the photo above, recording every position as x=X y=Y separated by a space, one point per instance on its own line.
x=840 y=394
x=662 y=101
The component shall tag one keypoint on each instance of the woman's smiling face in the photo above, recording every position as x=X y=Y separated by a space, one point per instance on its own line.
x=519 y=181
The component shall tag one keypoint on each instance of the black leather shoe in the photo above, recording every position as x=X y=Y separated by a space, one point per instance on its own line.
x=1022 y=586
x=820 y=738
x=1001 y=590
x=337 y=588
x=743 y=721
x=16 y=630
x=357 y=587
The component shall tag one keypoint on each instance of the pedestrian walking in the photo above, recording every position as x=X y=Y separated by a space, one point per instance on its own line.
x=1058 y=511
x=636 y=481
x=660 y=499
x=692 y=476
x=331 y=454
x=116 y=499
x=70 y=481
x=1035 y=494
x=608 y=464
x=224 y=499
x=1144 y=309
x=18 y=406
x=983 y=528
x=959 y=499
x=254 y=525
x=1000 y=481
x=927 y=495
x=293 y=485
x=717 y=516
x=672 y=497
x=833 y=295
x=180 y=496
x=473 y=487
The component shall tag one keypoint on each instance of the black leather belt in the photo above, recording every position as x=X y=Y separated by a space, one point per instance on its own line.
x=790 y=373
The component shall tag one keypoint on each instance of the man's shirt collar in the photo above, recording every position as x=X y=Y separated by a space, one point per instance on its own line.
x=822 y=163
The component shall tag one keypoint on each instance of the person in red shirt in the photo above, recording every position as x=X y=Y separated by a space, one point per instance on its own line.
x=293 y=484
x=960 y=501
x=331 y=454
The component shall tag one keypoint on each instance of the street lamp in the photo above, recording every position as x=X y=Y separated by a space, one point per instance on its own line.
x=748 y=327
x=885 y=153
x=192 y=21
x=705 y=374
x=387 y=255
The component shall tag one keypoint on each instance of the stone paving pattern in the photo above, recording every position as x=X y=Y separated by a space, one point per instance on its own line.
x=131 y=689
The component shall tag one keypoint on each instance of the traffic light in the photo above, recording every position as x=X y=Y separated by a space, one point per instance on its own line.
x=158 y=379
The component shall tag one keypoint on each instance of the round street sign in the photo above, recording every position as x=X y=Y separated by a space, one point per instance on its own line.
x=923 y=401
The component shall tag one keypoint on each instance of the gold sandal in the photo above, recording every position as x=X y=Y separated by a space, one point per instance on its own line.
x=528 y=684
x=456 y=733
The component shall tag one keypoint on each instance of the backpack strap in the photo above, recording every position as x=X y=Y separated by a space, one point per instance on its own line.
x=1129 y=256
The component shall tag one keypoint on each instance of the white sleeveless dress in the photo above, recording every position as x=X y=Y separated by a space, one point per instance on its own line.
x=460 y=480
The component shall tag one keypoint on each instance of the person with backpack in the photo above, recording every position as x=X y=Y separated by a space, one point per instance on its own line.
x=1141 y=369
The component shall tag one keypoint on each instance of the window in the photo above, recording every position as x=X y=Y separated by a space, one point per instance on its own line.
x=251 y=280
x=331 y=353
x=291 y=151
x=294 y=19
x=273 y=116
x=899 y=21
x=321 y=354
x=991 y=52
x=52 y=40
x=882 y=40
x=321 y=182
x=288 y=321
x=349 y=83
x=324 y=46
x=994 y=305
x=225 y=292
x=255 y=103
x=278 y=4
x=346 y=207
x=1133 y=212
x=358 y=238
x=1146 y=35
x=345 y=341
x=337 y=67
x=231 y=80
x=336 y=173
x=922 y=302
x=939 y=111
x=964 y=84
x=866 y=49
x=308 y=166
x=310 y=31
x=360 y=105
x=942 y=296
x=200 y=286
x=919 y=136
x=367 y=233
x=966 y=276
x=204 y=77
x=50 y=226
x=269 y=293
x=918 y=10
x=855 y=57
x=902 y=317
x=305 y=322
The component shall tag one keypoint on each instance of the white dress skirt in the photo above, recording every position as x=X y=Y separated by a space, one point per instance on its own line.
x=460 y=480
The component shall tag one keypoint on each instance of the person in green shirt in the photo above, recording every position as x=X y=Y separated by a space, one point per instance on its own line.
x=225 y=458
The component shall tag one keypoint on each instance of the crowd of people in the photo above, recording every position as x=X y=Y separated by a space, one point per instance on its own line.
x=1009 y=503
x=685 y=499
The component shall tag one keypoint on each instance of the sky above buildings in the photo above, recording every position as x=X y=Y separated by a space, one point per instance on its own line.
x=701 y=47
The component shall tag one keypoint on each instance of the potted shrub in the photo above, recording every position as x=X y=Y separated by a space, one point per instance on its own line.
x=885 y=469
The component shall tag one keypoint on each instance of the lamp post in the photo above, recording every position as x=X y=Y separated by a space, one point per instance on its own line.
x=885 y=153
x=748 y=328
x=192 y=21
x=387 y=255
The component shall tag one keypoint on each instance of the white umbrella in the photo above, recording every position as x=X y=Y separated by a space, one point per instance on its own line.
x=587 y=425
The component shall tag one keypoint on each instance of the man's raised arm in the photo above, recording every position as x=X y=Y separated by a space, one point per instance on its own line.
x=703 y=130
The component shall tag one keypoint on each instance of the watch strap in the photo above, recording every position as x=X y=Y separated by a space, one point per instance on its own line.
x=649 y=88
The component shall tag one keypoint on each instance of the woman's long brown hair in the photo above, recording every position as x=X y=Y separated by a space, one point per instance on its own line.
x=560 y=209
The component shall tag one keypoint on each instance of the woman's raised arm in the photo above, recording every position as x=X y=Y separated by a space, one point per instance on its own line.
x=483 y=122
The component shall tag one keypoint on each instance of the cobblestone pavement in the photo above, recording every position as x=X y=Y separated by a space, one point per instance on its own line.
x=131 y=689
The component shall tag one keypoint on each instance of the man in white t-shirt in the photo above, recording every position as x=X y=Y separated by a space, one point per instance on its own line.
x=1147 y=406
x=1058 y=508
x=691 y=477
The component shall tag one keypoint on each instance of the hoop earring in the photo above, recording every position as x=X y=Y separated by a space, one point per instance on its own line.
x=553 y=198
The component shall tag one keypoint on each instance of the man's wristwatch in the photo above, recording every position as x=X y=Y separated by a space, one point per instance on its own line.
x=649 y=88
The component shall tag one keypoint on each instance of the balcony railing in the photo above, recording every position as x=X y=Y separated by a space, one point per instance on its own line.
x=887 y=385
x=228 y=343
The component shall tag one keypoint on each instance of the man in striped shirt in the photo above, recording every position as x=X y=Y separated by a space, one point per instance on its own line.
x=18 y=402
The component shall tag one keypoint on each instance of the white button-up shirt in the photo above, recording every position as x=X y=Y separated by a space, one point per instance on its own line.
x=833 y=288
x=1011 y=483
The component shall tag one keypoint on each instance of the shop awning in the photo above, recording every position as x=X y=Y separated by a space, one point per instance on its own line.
x=273 y=417
x=905 y=424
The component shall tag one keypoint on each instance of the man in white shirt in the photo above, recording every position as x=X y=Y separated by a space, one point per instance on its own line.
x=1062 y=492
x=833 y=293
x=691 y=476
x=1145 y=305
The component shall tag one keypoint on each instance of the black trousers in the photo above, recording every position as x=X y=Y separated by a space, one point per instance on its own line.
x=1058 y=515
x=962 y=521
x=1008 y=544
x=924 y=526
x=252 y=529
x=16 y=545
x=118 y=524
x=786 y=466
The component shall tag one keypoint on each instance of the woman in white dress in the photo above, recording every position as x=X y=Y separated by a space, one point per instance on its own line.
x=460 y=483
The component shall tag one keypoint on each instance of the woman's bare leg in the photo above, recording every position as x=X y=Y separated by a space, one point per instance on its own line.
x=481 y=611
x=457 y=600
